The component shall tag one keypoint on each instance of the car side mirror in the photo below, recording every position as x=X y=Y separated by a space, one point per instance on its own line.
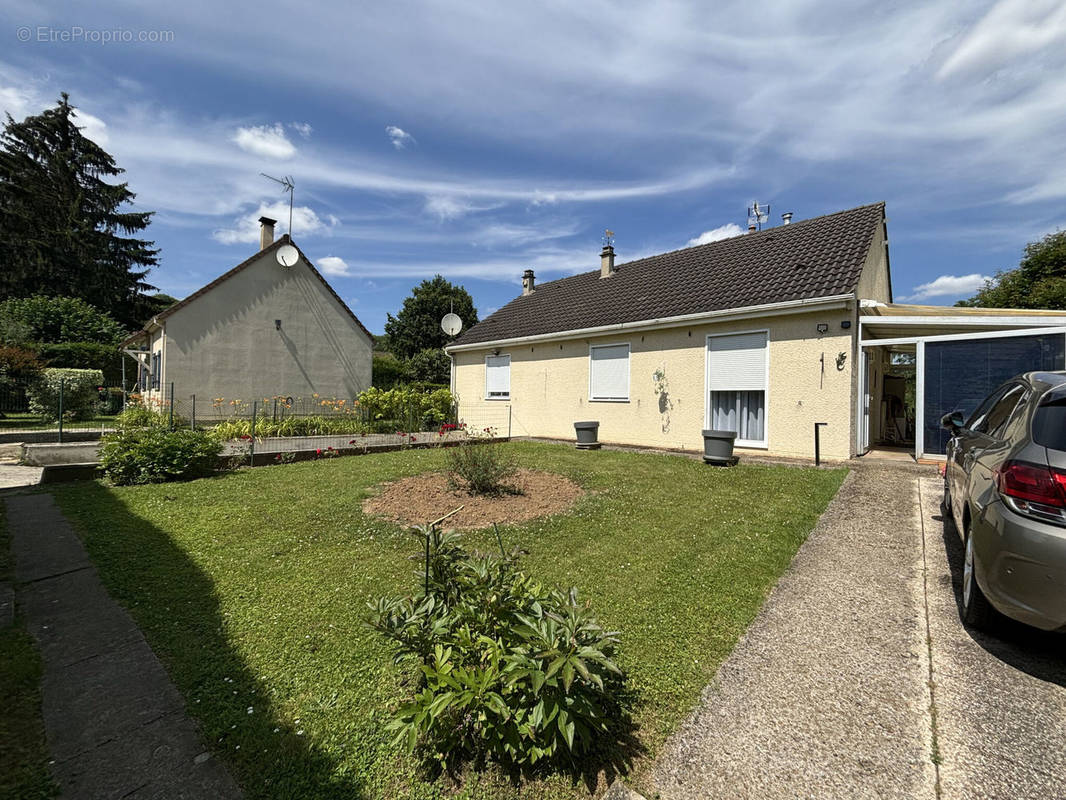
x=953 y=421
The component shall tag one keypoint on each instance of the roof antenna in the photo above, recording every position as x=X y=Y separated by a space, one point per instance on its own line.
x=289 y=187
x=757 y=215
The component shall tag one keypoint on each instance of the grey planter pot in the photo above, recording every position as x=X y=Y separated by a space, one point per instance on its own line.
x=718 y=448
x=587 y=435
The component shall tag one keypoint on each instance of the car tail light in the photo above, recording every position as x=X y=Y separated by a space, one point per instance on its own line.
x=1033 y=490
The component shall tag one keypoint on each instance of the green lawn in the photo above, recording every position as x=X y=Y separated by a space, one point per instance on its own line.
x=23 y=749
x=252 y=588
x=31 y=422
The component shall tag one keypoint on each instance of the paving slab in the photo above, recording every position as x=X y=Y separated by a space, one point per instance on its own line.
x=827 y=693
x=1000 y=696
x=15 y=476
x=116 y=724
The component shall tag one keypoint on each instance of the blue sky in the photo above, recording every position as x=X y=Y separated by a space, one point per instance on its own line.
x=479 y=139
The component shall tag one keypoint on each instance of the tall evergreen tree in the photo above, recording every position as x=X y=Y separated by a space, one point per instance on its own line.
x=63 y=231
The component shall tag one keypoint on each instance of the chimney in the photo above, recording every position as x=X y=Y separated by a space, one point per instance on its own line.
x=266 y=232
x=527 y=282
x=786 y=218
x=607 y=268
x=751 y=227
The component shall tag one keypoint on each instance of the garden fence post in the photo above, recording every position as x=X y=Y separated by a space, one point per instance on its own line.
x=275 y=409
x=62 y=385
x=192 y=416
x=251 y=442
x=172 y=405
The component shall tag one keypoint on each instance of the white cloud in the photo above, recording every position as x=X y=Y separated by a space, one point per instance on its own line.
x=951 y=286
x=305 y=222
x=399 y=137
x=302 y=128
x=445 y=207
x=727 y=231
x=333 y=265
x=268 y=141
x=1010 y=29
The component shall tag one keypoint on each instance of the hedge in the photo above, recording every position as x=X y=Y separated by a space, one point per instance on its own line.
x=81 y=393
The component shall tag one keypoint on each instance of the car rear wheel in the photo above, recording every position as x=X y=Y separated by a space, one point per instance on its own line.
x=976 y=610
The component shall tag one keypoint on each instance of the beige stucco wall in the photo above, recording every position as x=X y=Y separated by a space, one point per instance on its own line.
x=225 y=343
x=874 y=282
x=549 y=386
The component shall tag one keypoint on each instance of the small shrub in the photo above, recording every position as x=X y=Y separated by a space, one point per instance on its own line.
x=81 y=394
x=480 y=468
x=510 y=669
x=156 y=455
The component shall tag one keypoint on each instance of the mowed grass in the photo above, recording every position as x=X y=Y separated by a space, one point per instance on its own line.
x=23 y=748
x=252 y=589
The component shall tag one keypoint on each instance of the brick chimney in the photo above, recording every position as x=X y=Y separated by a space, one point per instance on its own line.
x=266 y=232
x=527 y=282
x=607 y=268
x=751 y=227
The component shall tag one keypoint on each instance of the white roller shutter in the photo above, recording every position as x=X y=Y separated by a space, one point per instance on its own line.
x=498 y=376
x=737 y=362
x=609 y=372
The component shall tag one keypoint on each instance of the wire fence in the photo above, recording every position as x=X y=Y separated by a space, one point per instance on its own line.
x=271 y=429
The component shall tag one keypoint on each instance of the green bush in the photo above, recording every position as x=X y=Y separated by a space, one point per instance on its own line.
x=81 y=393
x=138 y=415
x=388 y=371
x=431 y=364
x=409 y=408
x=83 y=355
x=510 y=669
x=155 y=455
x=480 y=468
x=56 y=319
x=266 y=426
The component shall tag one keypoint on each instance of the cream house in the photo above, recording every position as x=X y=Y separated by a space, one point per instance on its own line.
x=765 y=334
x=270 y=326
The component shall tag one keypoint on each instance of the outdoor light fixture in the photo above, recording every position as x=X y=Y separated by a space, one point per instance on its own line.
x=277 y=324
x=823 y=327
x=845 y=324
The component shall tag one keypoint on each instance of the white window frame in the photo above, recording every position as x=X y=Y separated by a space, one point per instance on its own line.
x=629 y=380
x=498 y=396
x=764 y=443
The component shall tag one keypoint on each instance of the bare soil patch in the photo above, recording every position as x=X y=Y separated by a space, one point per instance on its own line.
x=424 y=498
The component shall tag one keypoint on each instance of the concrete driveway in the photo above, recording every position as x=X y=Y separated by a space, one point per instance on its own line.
x=858 y=678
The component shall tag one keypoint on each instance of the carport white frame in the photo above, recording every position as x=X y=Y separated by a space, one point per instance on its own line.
x=919 y=366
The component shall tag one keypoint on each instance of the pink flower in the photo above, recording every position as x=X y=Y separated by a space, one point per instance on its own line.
x=318 y=451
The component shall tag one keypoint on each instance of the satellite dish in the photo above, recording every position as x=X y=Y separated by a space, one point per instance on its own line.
x=288 y=255
x=451 y=324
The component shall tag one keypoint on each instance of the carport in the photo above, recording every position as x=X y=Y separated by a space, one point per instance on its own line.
x=920 y=362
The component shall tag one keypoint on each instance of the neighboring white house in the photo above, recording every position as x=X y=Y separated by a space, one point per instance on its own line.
x=768 y=334
x=271 y=326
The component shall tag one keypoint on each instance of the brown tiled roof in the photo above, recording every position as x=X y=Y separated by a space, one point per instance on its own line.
x=818 y=257
x=242 y=266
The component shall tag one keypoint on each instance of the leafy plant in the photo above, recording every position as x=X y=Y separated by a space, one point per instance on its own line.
x=479 y=467
x=155 y=455
x=510 y=669
x=80 y=390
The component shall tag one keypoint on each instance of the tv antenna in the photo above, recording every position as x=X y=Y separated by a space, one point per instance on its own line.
x=758 y=214
x=289 y=187
x=608 y=238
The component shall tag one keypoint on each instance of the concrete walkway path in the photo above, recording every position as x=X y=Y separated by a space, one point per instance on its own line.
x=858 y=679
x=115 y=723
x=827 y=693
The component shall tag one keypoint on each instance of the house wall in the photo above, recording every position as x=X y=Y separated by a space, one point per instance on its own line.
x=225 y=343
x=550 y=386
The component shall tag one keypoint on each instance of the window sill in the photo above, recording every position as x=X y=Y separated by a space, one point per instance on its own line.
x=505 y=399
x=608 y=400
x=751 y=445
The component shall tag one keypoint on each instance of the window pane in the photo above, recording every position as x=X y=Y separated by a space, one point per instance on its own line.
x=742 y=412
x=959 y=375
x=609 y=372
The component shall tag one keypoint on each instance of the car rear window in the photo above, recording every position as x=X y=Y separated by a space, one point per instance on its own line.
x=1049 y=421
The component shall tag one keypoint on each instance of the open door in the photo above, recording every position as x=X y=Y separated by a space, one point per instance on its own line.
x=864 y=420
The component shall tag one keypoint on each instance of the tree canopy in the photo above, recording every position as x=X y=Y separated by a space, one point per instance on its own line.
x=1039 y=280
x=417 y=325
x=55 y=320
x=63 y=229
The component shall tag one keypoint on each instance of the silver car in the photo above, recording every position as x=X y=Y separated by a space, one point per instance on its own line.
x=1005 y=492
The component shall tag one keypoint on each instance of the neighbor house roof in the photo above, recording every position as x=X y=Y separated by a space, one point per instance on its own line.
x=819 y=257
x=284 y=239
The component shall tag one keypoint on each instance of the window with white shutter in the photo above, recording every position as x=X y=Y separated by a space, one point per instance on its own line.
x=609 y=372
x=497 y=377
x=736 y=382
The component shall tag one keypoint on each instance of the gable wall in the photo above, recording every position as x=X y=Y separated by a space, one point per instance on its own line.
x=225 y=343
x=549 y=387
